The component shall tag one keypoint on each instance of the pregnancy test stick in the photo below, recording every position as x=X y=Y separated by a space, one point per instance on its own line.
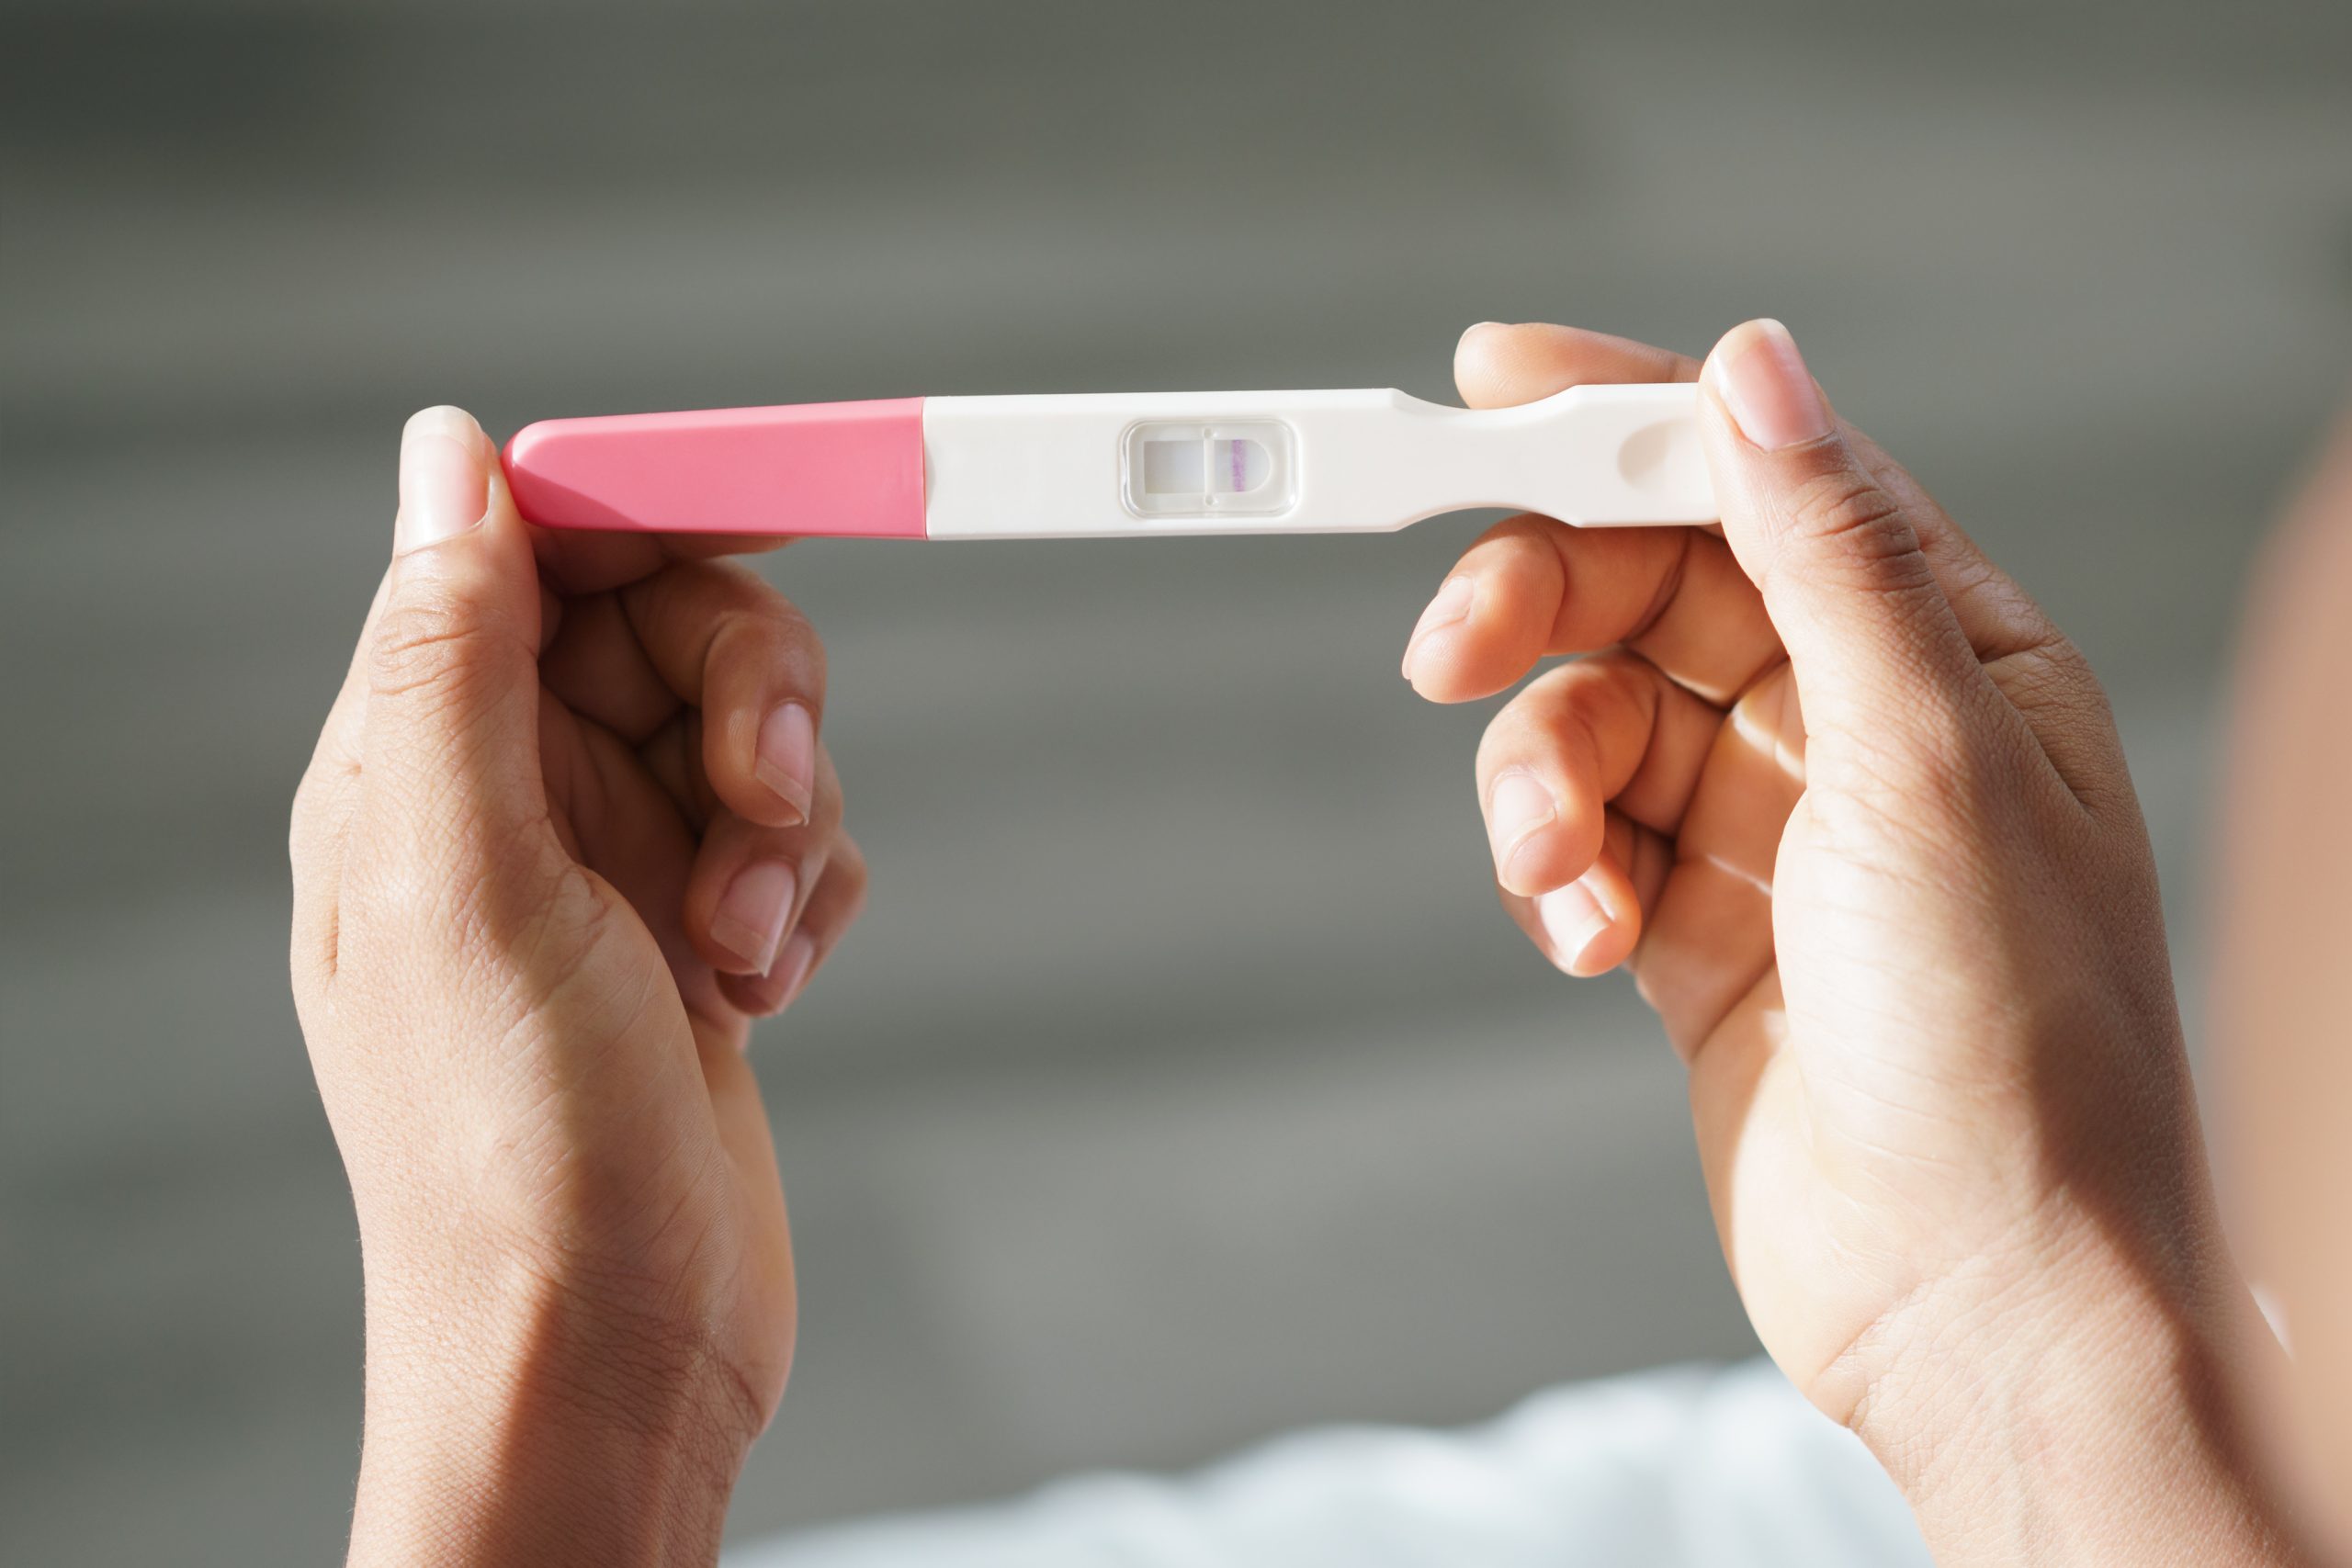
x=1104 y=466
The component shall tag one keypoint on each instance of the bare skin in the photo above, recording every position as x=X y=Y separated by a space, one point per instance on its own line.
x=1850 y=809
x=562 y=841
x=1855 y=815
x=2281 y=984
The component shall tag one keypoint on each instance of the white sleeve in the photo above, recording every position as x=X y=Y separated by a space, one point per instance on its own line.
x=1696 y=1467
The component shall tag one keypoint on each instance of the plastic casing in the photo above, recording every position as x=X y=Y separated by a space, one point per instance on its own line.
x=1107 y=466
x=1361 y=460
x=842 y=468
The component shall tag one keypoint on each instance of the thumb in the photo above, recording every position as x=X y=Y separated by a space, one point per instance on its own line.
x=450 y=763
x=1871 y=637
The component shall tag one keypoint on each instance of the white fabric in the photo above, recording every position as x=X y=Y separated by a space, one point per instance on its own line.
x=1691 y=1467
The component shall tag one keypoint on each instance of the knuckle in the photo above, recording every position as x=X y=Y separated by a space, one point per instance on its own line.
x=1533 y=706
x=426 y=644
x=744 y=597
x=2045 y=678
x=856 y=879
x=2069 y=670
x=1887 y=778
x=1503 y=742
x=1908 y=782
x=788 y=625
x=1568 y=708
x=1613 y=685
x=506 y=928
x=299 y=817
x=2051 y=675
x=759 y=636
x=829 y=808
x=844 y=872
x=771 y=637
x=754 y=1001
x=315 y=815
x=1848 y=515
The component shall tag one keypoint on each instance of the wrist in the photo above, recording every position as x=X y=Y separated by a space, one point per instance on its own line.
x=2078 y=1413
x=523 y=1426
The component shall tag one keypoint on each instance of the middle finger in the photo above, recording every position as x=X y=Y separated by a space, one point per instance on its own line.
x=1606 y=732
x=710 y=640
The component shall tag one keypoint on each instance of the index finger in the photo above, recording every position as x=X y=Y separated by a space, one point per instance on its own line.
x=725 y=642
x=1533 y=587
x=1497 y=365
x=590 y=560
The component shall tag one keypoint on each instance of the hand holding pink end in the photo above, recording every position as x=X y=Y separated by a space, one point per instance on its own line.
x=568 y=829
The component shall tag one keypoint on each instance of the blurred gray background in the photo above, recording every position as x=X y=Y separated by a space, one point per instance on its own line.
x=1185 y=1084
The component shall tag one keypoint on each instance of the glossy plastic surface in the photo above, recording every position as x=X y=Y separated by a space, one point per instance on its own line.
x=802 y=469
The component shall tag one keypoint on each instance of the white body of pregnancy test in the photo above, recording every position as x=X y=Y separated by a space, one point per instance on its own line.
x=1118 y=465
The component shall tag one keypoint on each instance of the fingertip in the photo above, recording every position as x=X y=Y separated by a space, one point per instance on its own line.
x=1572 y=921
x=1497 y=365
x=1448 y=610
x=1760 y=383
x=792 y=968
x=1460 y=664
x=1523 y=821
x=783 y=764
x=747 y=926
x=1481 y=356
x=444 y=479
x=1488 y=622
x=1605 y=952
x=1541 y=834
x=1551 y=857
x=833 y=908
x=1467 y=346
x=444 y=419
x=1432 y=666
x=454 y=573
x=760 y=679
x=1590 y=925
x=748 y=995
x=766 y=994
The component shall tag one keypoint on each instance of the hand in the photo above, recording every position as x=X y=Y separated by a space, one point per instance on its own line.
x=567 y=829
x=1856 y=816
x=2278 y=983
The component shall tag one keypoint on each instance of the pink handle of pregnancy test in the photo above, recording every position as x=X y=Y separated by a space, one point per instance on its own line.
x=849 y=468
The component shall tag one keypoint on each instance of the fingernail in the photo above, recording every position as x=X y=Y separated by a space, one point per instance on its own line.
x=751 y=916
x=1518 y=805
x=1573 y=919
x=1761 y=379
x=444 y=489
x=791 y=971
x=1451 y=604
x=787 y=761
